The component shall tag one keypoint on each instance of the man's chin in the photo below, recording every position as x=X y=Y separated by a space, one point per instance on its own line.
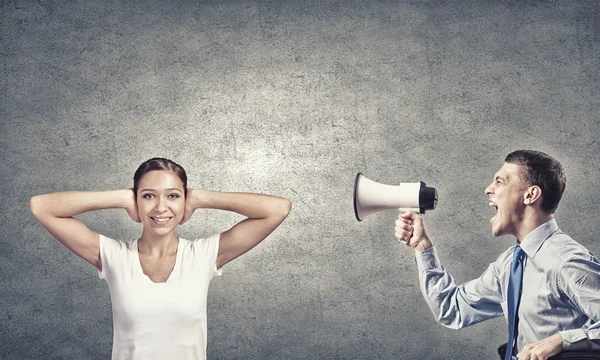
x=496 y=231
x=499 y=232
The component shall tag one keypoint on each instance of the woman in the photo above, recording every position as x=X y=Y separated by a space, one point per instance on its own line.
x=159 y=282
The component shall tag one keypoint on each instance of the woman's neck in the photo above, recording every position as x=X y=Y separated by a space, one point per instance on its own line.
x=157 y=245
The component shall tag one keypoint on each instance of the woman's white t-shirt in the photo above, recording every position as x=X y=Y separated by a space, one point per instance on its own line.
x=159 y=320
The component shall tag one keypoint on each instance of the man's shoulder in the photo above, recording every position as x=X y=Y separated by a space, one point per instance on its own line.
x=560 y=251
x=508 y=253
x=564 y=246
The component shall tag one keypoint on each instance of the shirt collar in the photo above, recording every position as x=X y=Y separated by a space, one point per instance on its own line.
x=534 y=240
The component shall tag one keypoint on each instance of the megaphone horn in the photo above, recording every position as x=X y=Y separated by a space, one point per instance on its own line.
x=371 y=197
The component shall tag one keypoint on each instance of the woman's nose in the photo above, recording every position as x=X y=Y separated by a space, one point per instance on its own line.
x=160 y=205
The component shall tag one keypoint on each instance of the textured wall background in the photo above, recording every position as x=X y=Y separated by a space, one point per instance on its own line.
x=288 y=98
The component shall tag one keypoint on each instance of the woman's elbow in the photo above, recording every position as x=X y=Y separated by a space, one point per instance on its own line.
x=286 y=207
x=283 y=208
x=36 y=205
x=39 y=206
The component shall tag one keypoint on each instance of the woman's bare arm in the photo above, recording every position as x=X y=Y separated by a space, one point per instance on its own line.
x=264 y=214
x=56 y=213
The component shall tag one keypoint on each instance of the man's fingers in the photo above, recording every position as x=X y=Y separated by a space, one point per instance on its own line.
x=403 y=230
x=402 y=235
x=402 y=239
x=407 y=216
x=403 y=225
x=526 y=352
x=543 y=349
x=535 y=351
x=535 y=355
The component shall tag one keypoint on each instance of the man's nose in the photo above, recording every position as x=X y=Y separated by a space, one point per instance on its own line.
x=488 y=190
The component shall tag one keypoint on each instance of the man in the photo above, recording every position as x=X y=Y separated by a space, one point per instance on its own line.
x=555 y=281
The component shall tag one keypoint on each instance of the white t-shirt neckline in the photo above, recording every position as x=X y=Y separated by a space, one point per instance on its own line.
x=138 y=265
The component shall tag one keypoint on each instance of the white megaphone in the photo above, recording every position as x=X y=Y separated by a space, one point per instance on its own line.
x=371 y=197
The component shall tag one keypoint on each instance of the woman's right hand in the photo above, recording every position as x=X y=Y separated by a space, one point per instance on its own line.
x=131 y=207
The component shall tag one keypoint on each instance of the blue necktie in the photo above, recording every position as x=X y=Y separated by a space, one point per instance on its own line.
x=514 y=294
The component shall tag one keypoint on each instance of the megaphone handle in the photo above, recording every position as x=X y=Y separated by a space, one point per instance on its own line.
x=403 y=210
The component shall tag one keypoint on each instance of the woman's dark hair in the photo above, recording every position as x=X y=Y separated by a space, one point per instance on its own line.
x=544 y=171
x=159 y=164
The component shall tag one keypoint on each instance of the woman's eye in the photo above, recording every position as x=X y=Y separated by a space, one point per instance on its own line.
x=147 y=196
x=174 y=196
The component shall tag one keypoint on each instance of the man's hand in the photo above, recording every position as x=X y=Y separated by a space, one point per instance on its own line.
x=543 y=349
x=410 y=230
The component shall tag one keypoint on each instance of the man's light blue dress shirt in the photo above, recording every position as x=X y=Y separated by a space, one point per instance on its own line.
x=561 y=291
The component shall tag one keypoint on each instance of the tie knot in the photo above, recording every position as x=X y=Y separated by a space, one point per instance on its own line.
x=518 y=255
x=518 y=252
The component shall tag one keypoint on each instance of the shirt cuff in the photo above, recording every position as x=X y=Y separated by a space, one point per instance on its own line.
x=427 y=260
x=572 y=339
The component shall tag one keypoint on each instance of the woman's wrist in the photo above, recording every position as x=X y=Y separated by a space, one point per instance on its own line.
x=200 y=198
x=126 y=197
x=112 y=199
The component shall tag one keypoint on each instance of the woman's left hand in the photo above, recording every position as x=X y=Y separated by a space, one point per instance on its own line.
x=189 y=206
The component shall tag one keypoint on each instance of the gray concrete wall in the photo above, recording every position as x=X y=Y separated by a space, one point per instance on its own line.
x=288 y=98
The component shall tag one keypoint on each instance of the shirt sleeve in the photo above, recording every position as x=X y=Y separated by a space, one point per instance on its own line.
x=210 y=249
x=457 y=306
x=108 y=250
x=580 y=281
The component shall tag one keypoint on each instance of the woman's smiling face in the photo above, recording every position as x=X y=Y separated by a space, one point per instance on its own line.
x=160 y=201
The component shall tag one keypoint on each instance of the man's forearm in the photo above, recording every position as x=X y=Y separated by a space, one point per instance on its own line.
x=456 y=306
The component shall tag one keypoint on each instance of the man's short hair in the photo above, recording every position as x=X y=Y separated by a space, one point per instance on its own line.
x=544 y=171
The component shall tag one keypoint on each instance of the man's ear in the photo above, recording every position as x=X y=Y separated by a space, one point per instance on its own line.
x=532 y=194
